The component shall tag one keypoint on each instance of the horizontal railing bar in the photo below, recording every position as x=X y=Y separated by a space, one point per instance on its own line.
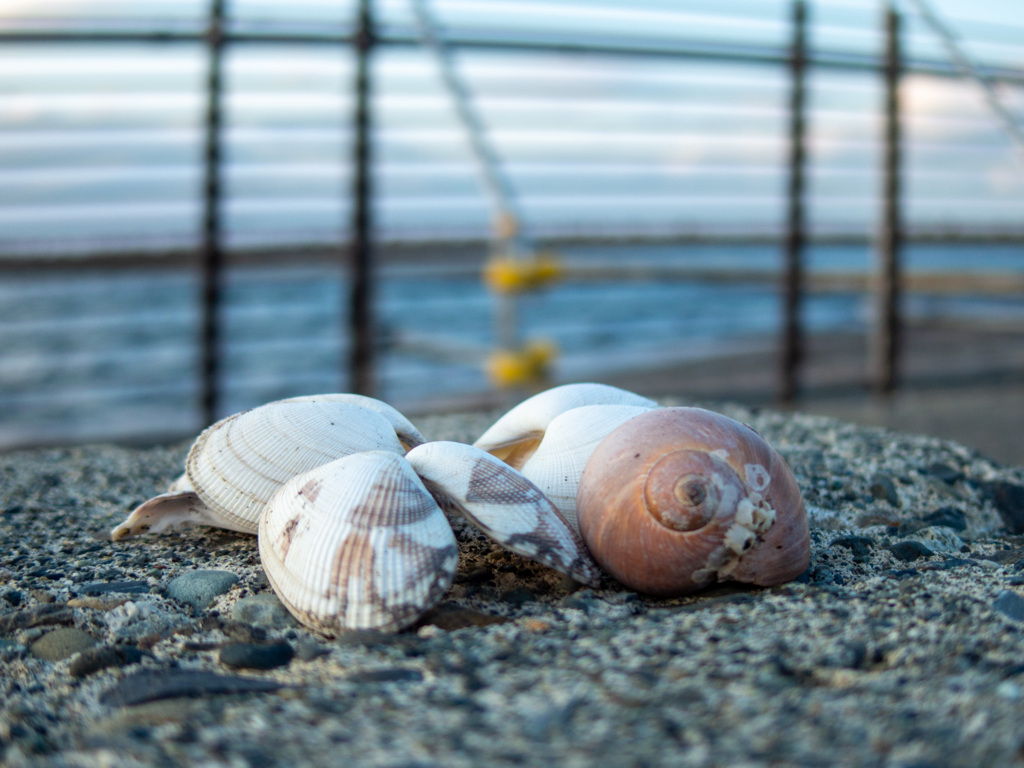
x=403 y=253
x=532 y=42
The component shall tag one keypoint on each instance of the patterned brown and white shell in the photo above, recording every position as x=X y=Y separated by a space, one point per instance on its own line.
x=678 y=498
x=504 y=504
x=357 y=543
x=237 y=464
x=362 y=543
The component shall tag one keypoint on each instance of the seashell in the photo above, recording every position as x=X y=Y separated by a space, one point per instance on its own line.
x=357 y=543
x=503 y=504
x=677 y=498
x=558 y=461
x=515 y=436
x=236 y=465
x=362 y=542
x=405 y=430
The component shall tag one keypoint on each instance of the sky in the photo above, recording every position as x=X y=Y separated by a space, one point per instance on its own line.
x=104 y=142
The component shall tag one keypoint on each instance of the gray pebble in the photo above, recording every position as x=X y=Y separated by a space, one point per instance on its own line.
x=860 y=546
x=1010 y=604
x=152 y=685
x=386 y=675
x=263 y=610
x=907 y=551
x=948 y=517
x=106 y=587
x=307 y=650
x=1008 y=499
x=251 y=656
x=198 y=588
x=61 y=643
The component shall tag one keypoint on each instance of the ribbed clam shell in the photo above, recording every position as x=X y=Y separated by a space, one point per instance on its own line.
x=406 y=431
x=236 y=465
x=357 y=543
x=571 y=437
x=515 y=436
x=503 y=504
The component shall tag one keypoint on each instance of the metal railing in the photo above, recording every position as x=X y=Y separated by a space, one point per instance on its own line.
x=363 y=38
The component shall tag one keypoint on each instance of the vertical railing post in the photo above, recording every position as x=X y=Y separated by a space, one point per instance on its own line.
x=211 y=242
x=793 y=276
x=361 y=325
x=887 y=332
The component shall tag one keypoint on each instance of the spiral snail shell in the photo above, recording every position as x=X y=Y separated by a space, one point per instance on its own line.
x=677 y=498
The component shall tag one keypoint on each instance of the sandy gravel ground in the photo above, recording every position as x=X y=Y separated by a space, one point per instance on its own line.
x=900 y=646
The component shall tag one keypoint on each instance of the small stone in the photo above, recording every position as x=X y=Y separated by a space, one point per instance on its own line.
x=42 y=596
x=1008 y=499
x=386 y=675
x=264 y=610
x=860 y=546
x=95 y=659
x=884 y=489
x=251 y=656
x=12 y=596
x=93 y=588
x=307 y=650
x=909 y=550
x=61 y=643
x=35 y=617
x=150 y=685
x=356 y=638
x=518 y=596
x=1010 y=604
x=948 y=517
x=944 y=472
x=199 y=588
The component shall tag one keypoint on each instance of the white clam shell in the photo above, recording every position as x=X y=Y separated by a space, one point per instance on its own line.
x=358 y=543
x=406 y=431
x=236 y=465
x=571 y=437
x=503 y=504
x=514 y=436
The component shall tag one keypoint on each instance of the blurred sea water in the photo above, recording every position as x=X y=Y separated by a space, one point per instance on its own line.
x=115 y=354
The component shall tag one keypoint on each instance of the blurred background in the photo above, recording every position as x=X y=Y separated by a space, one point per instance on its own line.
x=208 y=205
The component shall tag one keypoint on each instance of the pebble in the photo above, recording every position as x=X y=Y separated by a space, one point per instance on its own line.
x=1008 y=499
x=94 y=588
x=264 y=610
x=944 y=472
x=251 y=656
x=910 y=550
x=386 y=675
x=61 y=643
x=199 y=588
x=860 y=546
x=948 y=517
x=93 y=660
x=884 y=489
x=35 y=617
x=153 y=685
x=1010 y=604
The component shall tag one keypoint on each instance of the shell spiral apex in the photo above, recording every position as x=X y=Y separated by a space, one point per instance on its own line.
x=678 y=498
